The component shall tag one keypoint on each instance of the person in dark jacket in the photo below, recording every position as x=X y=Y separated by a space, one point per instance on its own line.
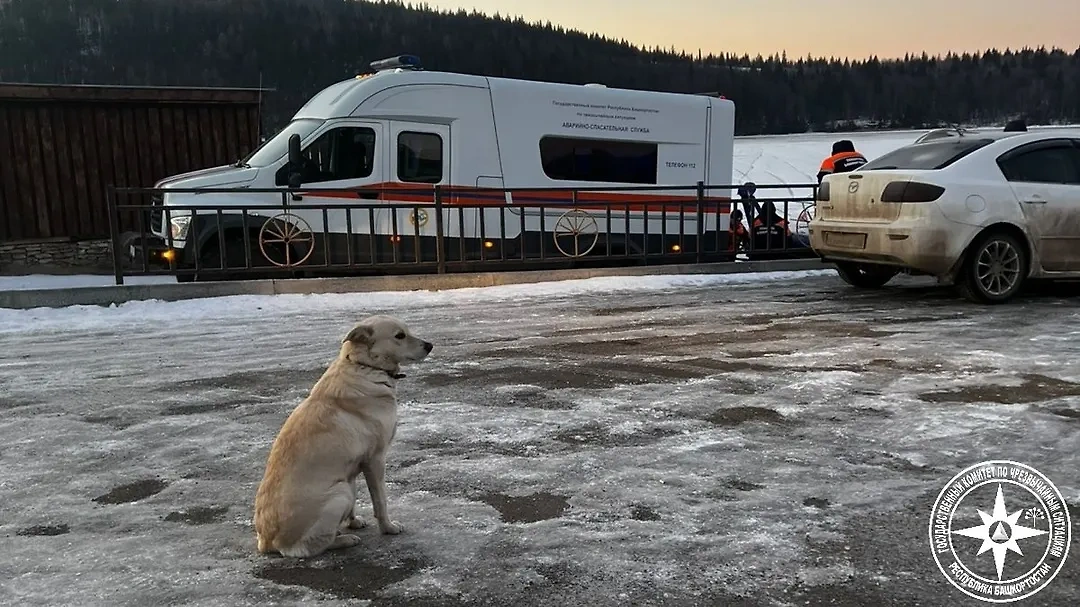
x=844 y=159
x=770 y=230
x=746 y=195
x=738 y=236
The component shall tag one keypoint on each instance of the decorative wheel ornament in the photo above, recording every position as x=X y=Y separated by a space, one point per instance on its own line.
x=578 y=231
x=285 y=240
x=802 y=222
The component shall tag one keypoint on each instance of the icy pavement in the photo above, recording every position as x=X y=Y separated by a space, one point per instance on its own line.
x=649 y=441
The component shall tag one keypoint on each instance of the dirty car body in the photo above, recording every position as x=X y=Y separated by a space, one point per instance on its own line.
x=984 y=211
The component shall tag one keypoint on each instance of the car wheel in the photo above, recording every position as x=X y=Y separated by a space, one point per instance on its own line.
x=865 y=276
x=995 y=268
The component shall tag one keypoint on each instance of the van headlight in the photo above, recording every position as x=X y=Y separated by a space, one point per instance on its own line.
x=178 y=226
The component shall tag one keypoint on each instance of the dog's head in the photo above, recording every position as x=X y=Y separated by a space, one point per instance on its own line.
x=385 y=343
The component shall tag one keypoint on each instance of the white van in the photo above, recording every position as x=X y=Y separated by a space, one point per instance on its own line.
x=391 y=136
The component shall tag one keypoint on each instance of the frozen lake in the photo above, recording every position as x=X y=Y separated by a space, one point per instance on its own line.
x=733 y=440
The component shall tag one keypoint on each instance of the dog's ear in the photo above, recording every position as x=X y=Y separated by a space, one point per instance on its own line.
x=362 y=335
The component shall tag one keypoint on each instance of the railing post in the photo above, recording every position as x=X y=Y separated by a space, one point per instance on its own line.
x=114 y=234
x=699 y=248
x=440 y=236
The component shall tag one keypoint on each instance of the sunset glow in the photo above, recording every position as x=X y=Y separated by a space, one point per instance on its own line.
x=822 y=28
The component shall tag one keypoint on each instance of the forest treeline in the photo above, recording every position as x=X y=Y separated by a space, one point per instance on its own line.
x=297 y=47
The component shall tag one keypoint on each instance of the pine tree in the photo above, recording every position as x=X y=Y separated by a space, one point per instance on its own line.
x=297 y=47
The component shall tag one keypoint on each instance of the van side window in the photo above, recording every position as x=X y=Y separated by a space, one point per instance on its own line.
x=570 y=159
x=420 y=157
x=342 y=153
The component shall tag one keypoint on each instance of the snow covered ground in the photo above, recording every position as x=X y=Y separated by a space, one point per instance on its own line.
x=71 y=281
x=695 y=440
x=794 y=159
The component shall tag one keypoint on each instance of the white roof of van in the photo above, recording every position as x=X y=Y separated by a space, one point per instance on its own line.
x=342 y=98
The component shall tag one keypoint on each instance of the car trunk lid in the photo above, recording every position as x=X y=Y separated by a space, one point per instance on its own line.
x=857 y=197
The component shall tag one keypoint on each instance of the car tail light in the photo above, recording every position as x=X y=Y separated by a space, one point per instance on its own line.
x=823 y=192
x=911 y=191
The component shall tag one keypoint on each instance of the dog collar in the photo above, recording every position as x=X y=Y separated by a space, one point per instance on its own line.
x=388 y=373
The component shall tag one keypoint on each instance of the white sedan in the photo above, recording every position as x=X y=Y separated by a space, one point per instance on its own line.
x=980 y=210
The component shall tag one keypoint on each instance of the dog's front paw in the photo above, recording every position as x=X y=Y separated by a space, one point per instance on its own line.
x=357 y=523
x=391 y=527
x=345 y=540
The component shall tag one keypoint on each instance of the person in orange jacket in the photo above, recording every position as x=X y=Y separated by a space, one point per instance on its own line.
x=844 y=159
x=768 y=230
x=771 y=230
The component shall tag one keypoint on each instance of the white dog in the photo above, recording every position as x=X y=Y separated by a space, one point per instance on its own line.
x=307 y=496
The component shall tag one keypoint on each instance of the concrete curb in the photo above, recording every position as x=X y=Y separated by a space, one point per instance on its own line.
x=104 y=296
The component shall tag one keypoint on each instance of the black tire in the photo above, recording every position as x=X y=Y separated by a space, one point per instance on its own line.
x=994 y=269
x=210 y=258
x=865 y=276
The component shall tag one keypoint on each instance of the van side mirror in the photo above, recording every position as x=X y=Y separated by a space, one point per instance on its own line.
x=296 y=179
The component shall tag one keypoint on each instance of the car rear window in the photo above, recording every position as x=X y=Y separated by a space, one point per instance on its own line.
x=931 y=155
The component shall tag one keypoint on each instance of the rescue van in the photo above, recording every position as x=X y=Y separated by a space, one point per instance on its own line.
x=391 y=136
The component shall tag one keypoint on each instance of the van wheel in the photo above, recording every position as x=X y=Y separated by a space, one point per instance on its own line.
x=865 y=276
x=211 y=258
x=994 y=269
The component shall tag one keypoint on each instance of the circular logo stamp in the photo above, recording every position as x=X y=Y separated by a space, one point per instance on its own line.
x=1000 y=531
x=418 y=217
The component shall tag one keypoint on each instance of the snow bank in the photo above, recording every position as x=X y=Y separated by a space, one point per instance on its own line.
x=135 y=313
x=74 y=281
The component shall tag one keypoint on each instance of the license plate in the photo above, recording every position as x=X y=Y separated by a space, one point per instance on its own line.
x=846 y=240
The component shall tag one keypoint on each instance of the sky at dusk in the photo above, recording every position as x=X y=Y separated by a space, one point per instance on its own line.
x=886 y=28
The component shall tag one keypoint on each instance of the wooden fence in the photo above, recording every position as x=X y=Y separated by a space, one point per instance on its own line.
x=62 y=146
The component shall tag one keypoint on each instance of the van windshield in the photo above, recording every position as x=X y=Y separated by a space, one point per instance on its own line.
x=277 y=146
x=932 y=155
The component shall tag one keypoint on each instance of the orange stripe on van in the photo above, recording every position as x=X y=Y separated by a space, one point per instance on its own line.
x=491 y=197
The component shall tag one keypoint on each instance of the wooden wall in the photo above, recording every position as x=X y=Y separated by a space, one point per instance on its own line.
x=61 y=147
